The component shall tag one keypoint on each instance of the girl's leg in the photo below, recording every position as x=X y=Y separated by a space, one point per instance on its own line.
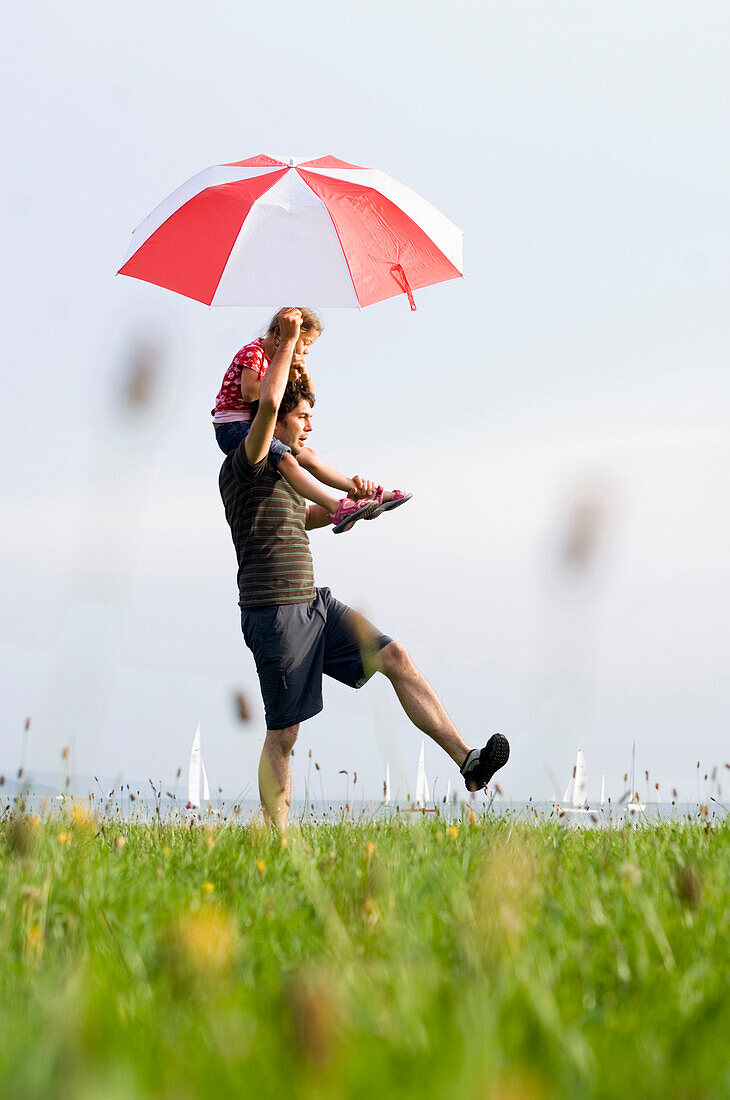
x=305 y=485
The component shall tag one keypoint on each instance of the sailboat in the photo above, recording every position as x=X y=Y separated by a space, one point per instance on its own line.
x=423 y=793
x=634 y=804
x=575 y=799
x=386 y=785
x=603 y=790
x=196 y=773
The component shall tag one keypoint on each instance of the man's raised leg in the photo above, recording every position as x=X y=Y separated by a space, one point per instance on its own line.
x=427 y=712
x=275 y=775
x=420 y=701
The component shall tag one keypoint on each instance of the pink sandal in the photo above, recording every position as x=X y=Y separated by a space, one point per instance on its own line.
x=350 y=511
x=399 y=497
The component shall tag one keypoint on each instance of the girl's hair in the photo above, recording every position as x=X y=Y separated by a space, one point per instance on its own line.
x=310 y=320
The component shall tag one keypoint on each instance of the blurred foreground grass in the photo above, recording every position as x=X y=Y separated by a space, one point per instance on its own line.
x=487 y=959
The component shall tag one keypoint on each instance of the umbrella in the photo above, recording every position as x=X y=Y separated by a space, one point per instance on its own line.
x=264 y=230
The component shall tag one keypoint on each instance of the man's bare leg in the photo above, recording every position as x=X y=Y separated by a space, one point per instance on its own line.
x=275 y=776
x=420 y=701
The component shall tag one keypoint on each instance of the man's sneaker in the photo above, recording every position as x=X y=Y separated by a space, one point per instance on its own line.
x=481 y=764
x=398 y=498
x=350 y=511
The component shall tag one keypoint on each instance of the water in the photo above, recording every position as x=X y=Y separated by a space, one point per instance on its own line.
x=134 y=806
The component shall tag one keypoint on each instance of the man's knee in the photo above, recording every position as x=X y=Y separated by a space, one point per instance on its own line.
x=395 y=659
x=283 y=740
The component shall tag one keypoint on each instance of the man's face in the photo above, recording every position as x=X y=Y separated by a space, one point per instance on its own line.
x=294 y=428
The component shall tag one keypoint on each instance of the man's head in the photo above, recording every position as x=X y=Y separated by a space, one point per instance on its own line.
x=294 y=419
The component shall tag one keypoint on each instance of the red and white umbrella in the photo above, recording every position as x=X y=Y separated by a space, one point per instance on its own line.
x=264 y=231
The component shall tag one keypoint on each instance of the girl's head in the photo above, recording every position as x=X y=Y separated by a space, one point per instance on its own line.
x=310 y=330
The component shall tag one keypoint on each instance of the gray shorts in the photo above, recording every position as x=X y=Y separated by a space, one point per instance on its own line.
x=295 y=644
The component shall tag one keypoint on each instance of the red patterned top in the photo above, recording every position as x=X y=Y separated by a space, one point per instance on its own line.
x=229 y=404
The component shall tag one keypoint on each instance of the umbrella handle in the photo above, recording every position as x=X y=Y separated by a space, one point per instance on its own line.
x=397 y=270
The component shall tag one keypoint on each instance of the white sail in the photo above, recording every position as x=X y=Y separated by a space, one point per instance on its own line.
x=448 y=791
x=603 y=790
x=386 y=788
x=568 y=796
x=422 y=792
x=206 y=788
x=194 y=769
x=580 y=787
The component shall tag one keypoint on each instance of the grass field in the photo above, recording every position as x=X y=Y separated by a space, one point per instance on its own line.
x=488 y=959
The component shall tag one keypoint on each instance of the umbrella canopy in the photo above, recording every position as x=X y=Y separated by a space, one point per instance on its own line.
x=262 y=231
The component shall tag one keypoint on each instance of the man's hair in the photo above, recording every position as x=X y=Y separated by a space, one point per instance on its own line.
x=293 y=394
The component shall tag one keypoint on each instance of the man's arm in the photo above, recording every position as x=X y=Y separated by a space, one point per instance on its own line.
x=271 y=391
x=316 y=517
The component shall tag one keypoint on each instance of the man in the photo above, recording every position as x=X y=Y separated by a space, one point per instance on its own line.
x=298 y=632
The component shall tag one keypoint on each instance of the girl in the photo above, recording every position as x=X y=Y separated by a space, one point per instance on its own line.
x=233 y=414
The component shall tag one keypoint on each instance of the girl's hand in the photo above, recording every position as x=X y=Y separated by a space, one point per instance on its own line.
x=361 y=488
x=298 y=371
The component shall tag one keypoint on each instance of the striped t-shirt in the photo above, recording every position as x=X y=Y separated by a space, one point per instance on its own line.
x=266 y=517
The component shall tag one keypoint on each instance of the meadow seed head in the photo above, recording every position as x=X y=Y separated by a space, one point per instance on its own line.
x=630 y=872
x=690 y=886
x=21 y=834
x=317 y=1015
x=120 y=842
x=242 y=708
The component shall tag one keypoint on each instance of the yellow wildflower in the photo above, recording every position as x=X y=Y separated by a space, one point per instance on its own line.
x=260 y=866
x=208 y=887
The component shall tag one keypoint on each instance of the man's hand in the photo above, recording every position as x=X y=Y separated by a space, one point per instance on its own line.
x=361 y=488
x=290 y=322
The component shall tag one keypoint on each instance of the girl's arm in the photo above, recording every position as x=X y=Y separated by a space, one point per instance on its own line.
x=355 y=487
x=250 y=385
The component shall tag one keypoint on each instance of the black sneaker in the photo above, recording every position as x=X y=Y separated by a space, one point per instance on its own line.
x=481 y=764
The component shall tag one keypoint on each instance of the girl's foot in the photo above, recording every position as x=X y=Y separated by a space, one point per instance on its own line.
x=387 y=499
x=350 y=511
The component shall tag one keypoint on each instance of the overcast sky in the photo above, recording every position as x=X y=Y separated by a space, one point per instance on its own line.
x=560 y=414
